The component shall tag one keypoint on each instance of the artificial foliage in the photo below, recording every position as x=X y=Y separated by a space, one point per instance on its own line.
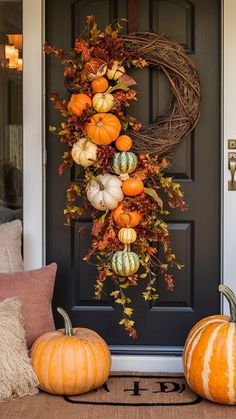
x=127 y=192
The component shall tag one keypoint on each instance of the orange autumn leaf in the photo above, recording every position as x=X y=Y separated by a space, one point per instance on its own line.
x=82 y=46
x=140 y=174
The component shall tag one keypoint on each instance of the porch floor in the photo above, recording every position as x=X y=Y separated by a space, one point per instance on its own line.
x=125 y=395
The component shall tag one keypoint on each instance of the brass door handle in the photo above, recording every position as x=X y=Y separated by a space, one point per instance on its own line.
x=232 y=168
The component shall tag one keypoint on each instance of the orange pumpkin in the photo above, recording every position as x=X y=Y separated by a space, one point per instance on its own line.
x=100 y=85
x=103 y=128
x=126 y=218
x=124 y=143
x=132 y=186
x=70 y=361
x=78 y=103
x=209 y=356
x=95 y=68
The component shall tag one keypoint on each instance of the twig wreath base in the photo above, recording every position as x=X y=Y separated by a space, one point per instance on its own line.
x=168 y=55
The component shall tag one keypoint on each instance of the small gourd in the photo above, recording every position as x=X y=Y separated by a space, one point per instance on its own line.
x=124 y=163
x=104 y=192
x=103 y=128
x=95 y=68
x=133 y=186
x=116 y=71
x=127 y=235
x=103 y=102
x=124 y=218
x=124 y=142
x=100 y=85
x=84 y=152
x=78 y=103
x=125 y=263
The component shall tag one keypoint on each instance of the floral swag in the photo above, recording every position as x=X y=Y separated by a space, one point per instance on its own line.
x=125 y=188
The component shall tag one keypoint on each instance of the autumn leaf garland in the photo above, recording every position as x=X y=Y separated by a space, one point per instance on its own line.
x=122 y=189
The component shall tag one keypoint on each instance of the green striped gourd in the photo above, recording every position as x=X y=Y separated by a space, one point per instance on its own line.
x=124 y=163
x=125 y=263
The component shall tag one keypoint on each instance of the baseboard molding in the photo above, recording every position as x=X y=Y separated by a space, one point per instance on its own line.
x=147 y=363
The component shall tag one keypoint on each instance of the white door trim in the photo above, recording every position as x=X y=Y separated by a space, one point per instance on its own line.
x=33 y=134
x=34 y=169
x=228 y=132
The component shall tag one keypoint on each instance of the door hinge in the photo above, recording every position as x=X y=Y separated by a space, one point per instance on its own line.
x=45 y=157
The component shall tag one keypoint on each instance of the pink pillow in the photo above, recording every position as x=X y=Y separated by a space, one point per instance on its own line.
x=35 y=290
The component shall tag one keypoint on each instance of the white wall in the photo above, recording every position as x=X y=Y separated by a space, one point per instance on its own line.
x=229 y=132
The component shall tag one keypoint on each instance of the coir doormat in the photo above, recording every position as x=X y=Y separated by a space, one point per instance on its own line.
x=126 y=395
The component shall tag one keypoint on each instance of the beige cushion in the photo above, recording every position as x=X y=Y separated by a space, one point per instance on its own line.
x=10 y=247
x=35 y=290
x=17 y=377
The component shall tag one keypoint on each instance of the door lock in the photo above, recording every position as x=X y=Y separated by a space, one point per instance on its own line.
x=232 y=168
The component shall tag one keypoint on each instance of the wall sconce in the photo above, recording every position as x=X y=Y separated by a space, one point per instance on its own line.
x=11 y=54
x=15 y=40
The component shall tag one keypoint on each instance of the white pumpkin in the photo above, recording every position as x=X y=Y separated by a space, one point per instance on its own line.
x=103 y=102
x=104 y=192
x=116 y=71
x=84 y=152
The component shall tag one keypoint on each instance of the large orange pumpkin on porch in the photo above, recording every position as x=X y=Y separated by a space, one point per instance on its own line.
x=103 y=128
x=209 y=356
x=70 y=361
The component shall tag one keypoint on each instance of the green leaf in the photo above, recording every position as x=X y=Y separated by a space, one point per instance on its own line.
x=151 y=192
x=118 y=86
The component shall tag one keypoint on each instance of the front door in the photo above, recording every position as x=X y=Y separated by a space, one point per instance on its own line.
x=195 y=234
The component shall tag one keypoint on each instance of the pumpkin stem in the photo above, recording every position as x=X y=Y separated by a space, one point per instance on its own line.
x=67 y=322
x=99 y=123
x=127 y=247
x=228 y=293
x=98 y=180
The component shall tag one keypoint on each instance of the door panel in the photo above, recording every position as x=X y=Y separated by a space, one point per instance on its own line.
x=196 y=165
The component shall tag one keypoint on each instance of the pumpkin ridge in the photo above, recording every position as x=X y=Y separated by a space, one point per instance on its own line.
x=197 y=362
x=40 y=356
x=95 y=368
x=94 y=365
x=84 y=380
x=206 y=362
x=231 y=364
x=192 y=342
x=52 y=352
x=218 y=363
x=62 y=342
x=76 y=370
x=204 y=322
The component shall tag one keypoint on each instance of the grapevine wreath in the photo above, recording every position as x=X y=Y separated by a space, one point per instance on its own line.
x=123 y=162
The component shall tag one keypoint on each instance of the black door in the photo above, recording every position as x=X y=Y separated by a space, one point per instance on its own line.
x=196 y=233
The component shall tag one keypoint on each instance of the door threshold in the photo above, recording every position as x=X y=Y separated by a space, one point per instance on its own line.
x=147 y=363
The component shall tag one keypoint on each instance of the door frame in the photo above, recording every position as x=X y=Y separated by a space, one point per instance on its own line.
x=34 y=155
